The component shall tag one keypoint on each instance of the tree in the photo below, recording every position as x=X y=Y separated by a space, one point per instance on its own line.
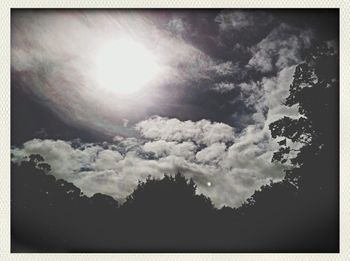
x=36 y=158
x=170 y=193
x=315 y=169
x=315 y=91
x=303 y=208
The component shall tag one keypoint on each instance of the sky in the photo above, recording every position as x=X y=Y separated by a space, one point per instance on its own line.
x=110 y=97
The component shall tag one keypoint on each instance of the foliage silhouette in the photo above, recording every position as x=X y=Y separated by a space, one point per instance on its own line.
x=316 y=90
x=171 y=193
x=54 y=215
x=315 y=171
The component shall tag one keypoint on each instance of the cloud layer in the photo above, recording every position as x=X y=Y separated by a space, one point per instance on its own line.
x=235 y=163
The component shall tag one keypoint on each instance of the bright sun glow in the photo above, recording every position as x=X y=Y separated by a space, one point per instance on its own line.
x=125 y=66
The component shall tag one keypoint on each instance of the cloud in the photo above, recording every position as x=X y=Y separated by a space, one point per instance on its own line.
x=201 y=132
x=268 y=95
x=280 y=48
x=235 y=164
x=163 y=148
x=53 y=57
x=107 y=159
x=223 y=87
x=236 y=20
x=177 y=26
x=267 y=98
x=251 y=92
x=63 y=158
x=212 y=154
x=225 y=68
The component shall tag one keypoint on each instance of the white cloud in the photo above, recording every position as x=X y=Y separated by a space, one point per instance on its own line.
x=273 y=93
x=236 y=20
x=211 y=154
x=223 y=87
x=63 y=158
x=242 y=21
x=163 y=148
x=107 y=159
x=251 y=92
x=255 y=144
x=201 y=132
x=62 y=49
x=200 y=150
x=177 y=26
x=236 y=164
x=280 y=48
x=225 y=68
x=267 y=96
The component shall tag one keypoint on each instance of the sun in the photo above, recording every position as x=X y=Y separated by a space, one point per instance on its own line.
x=125 y=66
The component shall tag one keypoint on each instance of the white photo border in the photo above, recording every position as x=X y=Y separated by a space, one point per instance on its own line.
x=5 y=10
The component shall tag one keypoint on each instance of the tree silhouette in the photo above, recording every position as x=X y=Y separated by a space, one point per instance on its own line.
x=54 y=215
x=169 y=193
x=302 y=210
x=35 y=158
x=315 y=90
x=315 y=172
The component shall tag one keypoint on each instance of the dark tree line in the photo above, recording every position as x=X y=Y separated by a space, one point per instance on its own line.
x=299 y=214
